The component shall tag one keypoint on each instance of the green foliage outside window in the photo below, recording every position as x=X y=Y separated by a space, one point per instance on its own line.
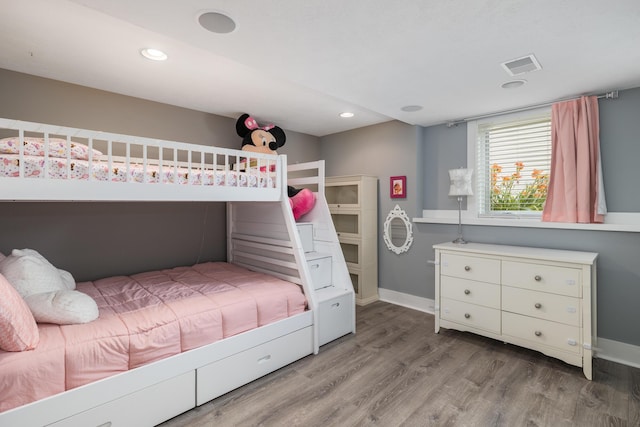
x=509 y=194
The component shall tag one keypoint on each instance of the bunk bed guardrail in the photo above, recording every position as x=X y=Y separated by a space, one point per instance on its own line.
x=36 y=158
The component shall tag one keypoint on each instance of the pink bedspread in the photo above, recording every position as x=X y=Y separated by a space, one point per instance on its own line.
x=144 y=318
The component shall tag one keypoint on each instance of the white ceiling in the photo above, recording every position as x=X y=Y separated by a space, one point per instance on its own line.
x=299 y=63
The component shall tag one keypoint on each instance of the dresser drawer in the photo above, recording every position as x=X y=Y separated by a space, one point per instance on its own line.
x=542 y=332
x=541 y=277
x=473 y=315
x=471 y=291
x=558 y=308
x=470 y=267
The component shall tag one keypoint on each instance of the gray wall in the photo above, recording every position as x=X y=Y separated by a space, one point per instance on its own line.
x=388 y=148
x=385 y=150
x=96 y=239
x=93 y=240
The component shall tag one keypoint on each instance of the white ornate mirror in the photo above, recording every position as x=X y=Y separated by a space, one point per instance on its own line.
x=398 y=231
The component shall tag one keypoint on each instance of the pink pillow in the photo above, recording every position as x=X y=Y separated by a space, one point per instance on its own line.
x=18 y=329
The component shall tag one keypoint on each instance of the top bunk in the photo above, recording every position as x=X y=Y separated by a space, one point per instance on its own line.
x=40 y=162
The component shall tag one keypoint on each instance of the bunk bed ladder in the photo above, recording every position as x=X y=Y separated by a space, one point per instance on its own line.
x=265 y=237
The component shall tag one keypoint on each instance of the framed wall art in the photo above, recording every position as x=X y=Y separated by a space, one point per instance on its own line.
x=398 y=187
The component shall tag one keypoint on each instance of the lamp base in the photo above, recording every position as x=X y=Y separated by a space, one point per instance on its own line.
x=460 y=241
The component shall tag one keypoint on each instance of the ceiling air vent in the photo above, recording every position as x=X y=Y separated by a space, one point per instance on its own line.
x=519 y=66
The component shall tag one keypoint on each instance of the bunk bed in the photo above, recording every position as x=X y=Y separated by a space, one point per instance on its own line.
x=40 y=162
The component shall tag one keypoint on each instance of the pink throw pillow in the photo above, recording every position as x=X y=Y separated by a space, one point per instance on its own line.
x=18 y=328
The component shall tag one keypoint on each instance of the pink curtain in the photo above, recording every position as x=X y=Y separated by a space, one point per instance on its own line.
x=576 y=191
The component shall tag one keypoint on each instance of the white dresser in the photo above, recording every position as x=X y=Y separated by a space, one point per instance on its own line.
x=542 y=299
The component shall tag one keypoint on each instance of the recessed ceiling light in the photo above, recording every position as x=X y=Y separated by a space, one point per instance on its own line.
x=216 y=22
x=411 y=108
x=346 y=114
x=513 y=84
x=153 y=54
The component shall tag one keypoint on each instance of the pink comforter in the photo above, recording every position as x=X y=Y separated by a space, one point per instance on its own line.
x=144 y=318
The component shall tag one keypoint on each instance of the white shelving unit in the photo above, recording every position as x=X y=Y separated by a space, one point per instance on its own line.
x=353 y=203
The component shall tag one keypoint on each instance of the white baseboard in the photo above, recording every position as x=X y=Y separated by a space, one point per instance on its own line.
x=410 y=301
x=619 y=352
x=614 y=351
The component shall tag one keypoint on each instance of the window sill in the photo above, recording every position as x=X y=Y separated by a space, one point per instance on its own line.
x=615 y=221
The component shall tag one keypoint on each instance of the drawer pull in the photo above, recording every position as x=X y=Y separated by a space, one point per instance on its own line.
x=107 y=424
x=467 y=291
x=467 y=315
x=537 y=278
x=335 y=305
x=264 y=359
x=315 y=265
x=538 y=333
x=537 y=305
x=467 y=268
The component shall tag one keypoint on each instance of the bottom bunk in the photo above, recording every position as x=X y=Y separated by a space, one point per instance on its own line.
x=263 y=239
x=165 y=342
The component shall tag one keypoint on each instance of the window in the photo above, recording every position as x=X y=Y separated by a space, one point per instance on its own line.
x=513 y=158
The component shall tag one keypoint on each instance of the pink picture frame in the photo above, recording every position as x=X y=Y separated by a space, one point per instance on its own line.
x=398 y=187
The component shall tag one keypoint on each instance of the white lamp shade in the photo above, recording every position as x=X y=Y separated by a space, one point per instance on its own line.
x=460 y=182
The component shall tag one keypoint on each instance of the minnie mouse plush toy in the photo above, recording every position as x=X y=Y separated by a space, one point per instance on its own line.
x=267 y=139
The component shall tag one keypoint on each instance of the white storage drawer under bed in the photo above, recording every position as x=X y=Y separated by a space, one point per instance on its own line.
x=168 y=398
x=222 y=376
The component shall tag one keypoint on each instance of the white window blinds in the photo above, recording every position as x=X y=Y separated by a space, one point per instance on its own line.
x=513 y=166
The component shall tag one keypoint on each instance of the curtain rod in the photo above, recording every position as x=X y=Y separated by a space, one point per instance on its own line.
x=609 y=95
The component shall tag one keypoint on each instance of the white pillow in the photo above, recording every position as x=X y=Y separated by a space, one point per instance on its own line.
x=48 y=291
x=62 y=307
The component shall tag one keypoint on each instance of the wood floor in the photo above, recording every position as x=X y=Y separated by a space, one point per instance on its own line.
x=395 y=371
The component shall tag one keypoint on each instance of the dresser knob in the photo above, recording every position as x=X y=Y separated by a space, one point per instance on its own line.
x=467 y=315
x=467 y=291
x=538 y=333
x=467 y=268
x=537 y=305
x=537 y=278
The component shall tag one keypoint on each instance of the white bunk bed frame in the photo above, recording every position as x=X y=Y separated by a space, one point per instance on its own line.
x=261 y=235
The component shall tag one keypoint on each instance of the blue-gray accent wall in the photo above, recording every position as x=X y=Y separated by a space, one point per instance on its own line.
x=389 y=149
